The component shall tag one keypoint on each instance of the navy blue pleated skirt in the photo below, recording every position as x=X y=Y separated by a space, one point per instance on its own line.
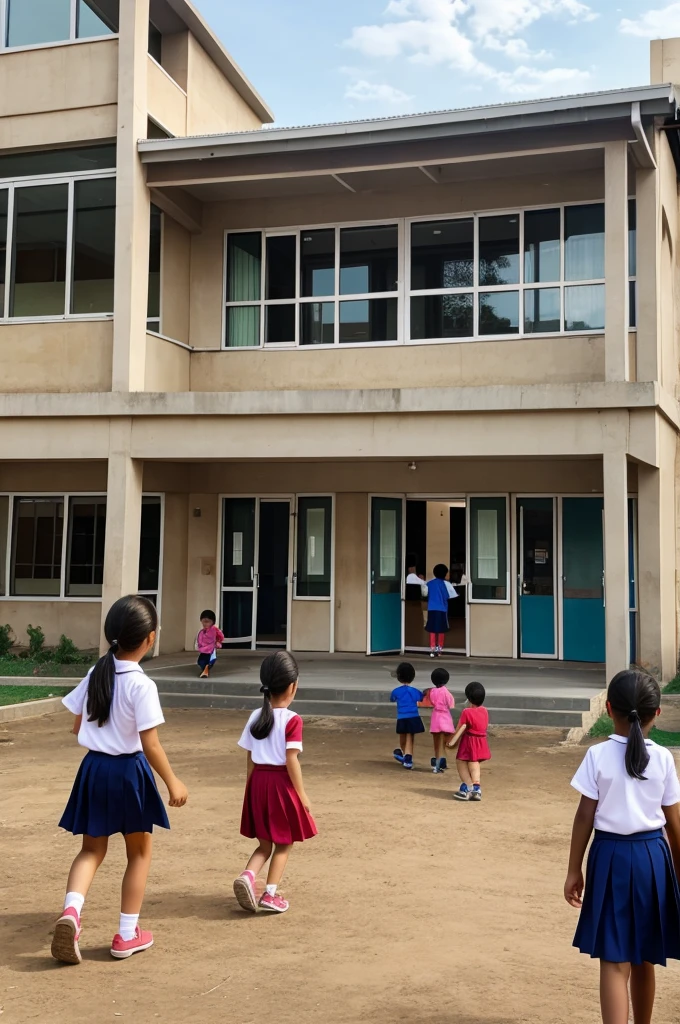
x=114 y=794
x=631 y=905
x=437 y=622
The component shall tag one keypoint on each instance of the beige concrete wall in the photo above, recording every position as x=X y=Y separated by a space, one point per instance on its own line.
x=213 y=103
x=78 y=620
x=167 y=101
x=176 y=275
x=351 y=571
x=56 y=476
x=167 y=365
x=668 y=270
x=175 y=56
x=491 y=630
x=56 y=356
x=52 y=128
x=59 y=78
x=664 y=61
x=310 y=625
x=174 y=582
x=202 y=568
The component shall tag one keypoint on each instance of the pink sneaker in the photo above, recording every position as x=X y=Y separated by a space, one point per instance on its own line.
x=244 y=891
x=65 y=940
x=122 y=948
x=274 y=903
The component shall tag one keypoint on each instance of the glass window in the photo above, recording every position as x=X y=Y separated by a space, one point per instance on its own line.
x=499 y=250
x=632 y=303
x=30 y=22
x=150 y=545
x=279 y=324
x=368 y=320
x=441 y=316
x=243 y=327
x=96 y=18
x=541 y=245
x=4 y=523
x=4 y=200
x=541 y=310
x=584 y=242
x=368 y=260
x=155 y=43
x=584 y=308
x=317 y=323
x=94 y=230
x=388 y=554
x=85 y=559
x=39 y=256
x=442 y=255
x=280 y=267
x=57 y=161
x=244 y=267
x=317 y=262
x=153 y=302
x=489 y=549
x=238 y=543
x=314 y=547
x=498 y=313
x=632 y=238
x=37 y=536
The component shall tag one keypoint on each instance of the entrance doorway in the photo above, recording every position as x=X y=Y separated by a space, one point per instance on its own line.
x=256 y=572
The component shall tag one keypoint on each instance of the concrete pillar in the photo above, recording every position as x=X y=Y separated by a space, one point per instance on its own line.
x=132 y=201
x=617 y=622
x=647 y=271
x=616 y=260
x=123 y=518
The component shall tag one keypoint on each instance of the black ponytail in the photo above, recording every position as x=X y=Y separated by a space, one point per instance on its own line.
x=129 y=623
x=277 y=672
x=635 y=696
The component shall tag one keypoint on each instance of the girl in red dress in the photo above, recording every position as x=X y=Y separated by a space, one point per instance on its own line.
x=474 y=746
x=276 y=809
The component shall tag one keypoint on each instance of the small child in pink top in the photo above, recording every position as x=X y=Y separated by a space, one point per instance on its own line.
x=208 y=640
x=442 y=727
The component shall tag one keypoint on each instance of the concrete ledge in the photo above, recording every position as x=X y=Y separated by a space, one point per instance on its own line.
x=598 y=706
x=30 y=709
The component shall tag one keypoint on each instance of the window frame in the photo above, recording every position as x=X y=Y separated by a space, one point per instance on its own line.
x=330 y=597
x=159 y=592
x=72 y=39
x=508 y=549
x=11 y=185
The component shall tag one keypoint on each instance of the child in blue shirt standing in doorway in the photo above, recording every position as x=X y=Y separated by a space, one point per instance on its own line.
x=439 y=593
x=409 y=722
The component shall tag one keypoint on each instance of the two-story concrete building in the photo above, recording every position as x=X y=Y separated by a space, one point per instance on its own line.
x=270 y=370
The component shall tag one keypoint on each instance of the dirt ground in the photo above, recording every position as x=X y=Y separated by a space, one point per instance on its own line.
x=408 y=905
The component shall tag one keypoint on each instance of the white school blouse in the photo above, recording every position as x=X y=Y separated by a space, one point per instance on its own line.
x=134 y=708
x=286 y=735
x=626 y=805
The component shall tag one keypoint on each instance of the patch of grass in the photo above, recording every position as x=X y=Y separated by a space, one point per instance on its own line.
x=605 y=727
x=673 y=686
x=20 y=694
x=28 y=667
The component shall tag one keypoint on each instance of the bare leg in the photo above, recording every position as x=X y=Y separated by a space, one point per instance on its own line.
x=642 y=992
x=475 y=772
x=439 y=744
x=86 y=863
x=464 y=772
x=402 y=741
x=435 y=743
x=614 y=992
x=259 y=857
x=408 y=743
x=278 y=864
x=138 y=846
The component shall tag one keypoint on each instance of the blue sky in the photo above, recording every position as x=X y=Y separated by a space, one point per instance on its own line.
x=321 y=60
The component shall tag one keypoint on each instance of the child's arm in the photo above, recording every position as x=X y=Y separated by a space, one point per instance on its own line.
x=580 y=835
x=295 y=773
x=250 y=764
x=77 y=724
x=196 y=640
x=457 y=735
x=672 y=815
x=219 y=637
x=157 y=758
x=425 y=702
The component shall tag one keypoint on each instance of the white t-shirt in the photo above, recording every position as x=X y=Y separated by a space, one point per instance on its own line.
x=286 y=735
x=626 y=805
x=134 y=708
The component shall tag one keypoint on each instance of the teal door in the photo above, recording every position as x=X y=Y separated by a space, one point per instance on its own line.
x=536 y=578
x=386 y=574
x=583 y=579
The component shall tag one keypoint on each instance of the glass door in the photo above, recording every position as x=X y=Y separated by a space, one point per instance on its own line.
x=536 y=577
x=238 y=571
x=273 y=573
x=387 y=575
x=583 y=579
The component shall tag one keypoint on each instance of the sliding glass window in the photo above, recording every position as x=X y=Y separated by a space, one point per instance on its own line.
x=36 y=22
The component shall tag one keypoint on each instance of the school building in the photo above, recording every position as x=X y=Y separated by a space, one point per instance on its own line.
x=270 y=370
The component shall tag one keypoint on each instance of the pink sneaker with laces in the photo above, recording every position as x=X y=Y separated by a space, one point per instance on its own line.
x=244 y=891
x=122 y=948
x=65 y=940
x=276 y=904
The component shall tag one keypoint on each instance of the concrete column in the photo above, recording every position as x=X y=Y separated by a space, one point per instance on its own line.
x=132 y=201
x=648 y=276
x=616 y=260
x=123 y=517
x=617 y=631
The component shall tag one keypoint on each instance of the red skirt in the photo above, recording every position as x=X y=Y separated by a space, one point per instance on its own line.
x=272 y=809
x=473 y=748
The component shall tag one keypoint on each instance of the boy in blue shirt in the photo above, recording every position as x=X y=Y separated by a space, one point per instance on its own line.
x=409 y=722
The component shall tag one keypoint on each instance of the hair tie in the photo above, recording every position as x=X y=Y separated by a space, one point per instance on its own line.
x=265 y=690
x=114 y=646
x=633 y=716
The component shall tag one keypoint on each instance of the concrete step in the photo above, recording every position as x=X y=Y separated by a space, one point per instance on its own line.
x=502 y=715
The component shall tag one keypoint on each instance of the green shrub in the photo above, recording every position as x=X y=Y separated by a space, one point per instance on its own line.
x=66 y=652
x=673 y=686
x=6 y=640
x=603 y=727
x=36 y=643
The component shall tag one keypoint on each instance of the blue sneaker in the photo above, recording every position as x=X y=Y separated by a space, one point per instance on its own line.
x=398 y=756
x=442 y=764
x=463 y=793
x=476 y=793
x=408 y=761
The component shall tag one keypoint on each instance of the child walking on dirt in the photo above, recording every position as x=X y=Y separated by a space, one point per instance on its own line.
x=117 y=716
x=441 y=725
x=409 y=722
x=630 y=913
x=276 y=809
x=439 y=593
x=474 y=745
x=208 y=639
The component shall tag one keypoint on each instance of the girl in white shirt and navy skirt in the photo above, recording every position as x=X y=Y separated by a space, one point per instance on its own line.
x=117 y=715
x=630 y=913
x=276 y=809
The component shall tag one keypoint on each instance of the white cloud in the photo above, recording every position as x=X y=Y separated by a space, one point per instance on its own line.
x=365 y=91
x=515 y=49
x=654 y=24
x=525 y=81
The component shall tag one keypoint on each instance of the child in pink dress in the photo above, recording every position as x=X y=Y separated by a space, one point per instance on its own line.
x=208 y=639
x=474 y=746
x=441 y=725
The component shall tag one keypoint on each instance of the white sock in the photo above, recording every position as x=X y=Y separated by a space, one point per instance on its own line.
x=75 y=900
x=128 y=923
x=271 y=890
